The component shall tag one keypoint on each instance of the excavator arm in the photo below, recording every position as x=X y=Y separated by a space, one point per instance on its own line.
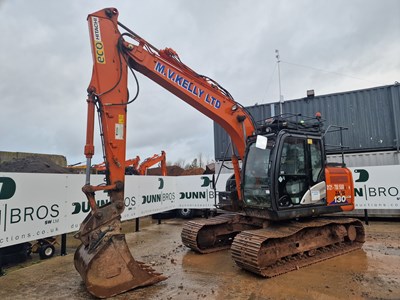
x=102 y=242
x=151 y=161
x=165 y=68
x=133 y=162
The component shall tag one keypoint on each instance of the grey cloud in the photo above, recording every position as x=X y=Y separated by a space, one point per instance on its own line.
x=46 y=64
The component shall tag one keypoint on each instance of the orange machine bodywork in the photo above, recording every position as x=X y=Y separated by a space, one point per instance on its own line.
x=339 y=188
x=151 y=161
x=133 y=162
x=109 y=85
x=103 y=259
x=108 y=94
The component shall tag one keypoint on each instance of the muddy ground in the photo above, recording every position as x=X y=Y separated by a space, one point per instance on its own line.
x=370 y=273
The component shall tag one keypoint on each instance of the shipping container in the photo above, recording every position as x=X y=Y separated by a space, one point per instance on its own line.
x=372 y=117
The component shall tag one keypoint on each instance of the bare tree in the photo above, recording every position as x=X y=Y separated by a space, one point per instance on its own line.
x=194 y=164
x=180 y=163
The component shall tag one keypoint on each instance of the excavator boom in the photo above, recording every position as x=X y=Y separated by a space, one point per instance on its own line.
x=102 y=242
x=133 y=162
x=151 y=161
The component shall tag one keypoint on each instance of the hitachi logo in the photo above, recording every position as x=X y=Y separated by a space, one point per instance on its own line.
x=96 y=29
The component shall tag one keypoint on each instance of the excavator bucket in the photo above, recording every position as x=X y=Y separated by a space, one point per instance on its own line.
x=110 y=269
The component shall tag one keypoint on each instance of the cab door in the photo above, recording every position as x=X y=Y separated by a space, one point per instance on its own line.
x=300 y=176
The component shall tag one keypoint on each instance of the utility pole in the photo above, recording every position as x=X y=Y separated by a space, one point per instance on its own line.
x=279 y=80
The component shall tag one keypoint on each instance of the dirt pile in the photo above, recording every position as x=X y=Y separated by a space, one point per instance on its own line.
x=37 y=164
x=193 y=171
x=32 y=165
x=171 y=171
x=175 y=171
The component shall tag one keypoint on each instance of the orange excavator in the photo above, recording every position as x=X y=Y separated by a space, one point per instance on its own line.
x=151 y=161
x=285 y=185
x=132 y=163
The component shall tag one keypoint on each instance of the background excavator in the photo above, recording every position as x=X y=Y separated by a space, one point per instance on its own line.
x=131 y=166
x=151 y=161
x=134 y=167
x=284 y=186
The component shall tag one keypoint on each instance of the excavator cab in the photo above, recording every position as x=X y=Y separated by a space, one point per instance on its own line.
x=284 y=173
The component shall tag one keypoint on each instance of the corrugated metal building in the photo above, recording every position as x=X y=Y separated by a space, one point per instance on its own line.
x=372 y=116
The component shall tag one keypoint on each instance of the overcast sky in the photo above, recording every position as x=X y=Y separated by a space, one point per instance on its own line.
x=46 y=64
